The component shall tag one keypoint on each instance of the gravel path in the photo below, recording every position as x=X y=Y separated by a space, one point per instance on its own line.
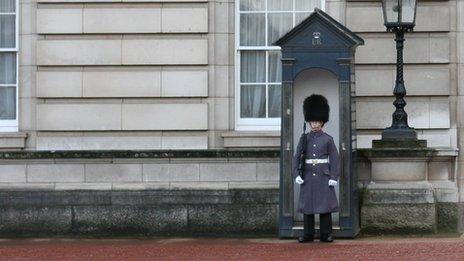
x=374 y=248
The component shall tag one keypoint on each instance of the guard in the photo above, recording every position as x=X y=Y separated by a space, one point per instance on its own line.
x=316 y=168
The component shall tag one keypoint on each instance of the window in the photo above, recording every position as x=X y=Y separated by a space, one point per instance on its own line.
x=9 y=65
x=258 y=68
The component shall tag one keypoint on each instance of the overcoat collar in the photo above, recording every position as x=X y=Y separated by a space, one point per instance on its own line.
x=316 y=133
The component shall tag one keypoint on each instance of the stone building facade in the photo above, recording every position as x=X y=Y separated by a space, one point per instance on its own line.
x=97 y=83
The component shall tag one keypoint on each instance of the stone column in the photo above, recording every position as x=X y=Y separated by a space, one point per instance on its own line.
x=407 y=193
x=460 y=103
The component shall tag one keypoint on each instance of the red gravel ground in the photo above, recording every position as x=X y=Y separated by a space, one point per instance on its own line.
x=375 y=248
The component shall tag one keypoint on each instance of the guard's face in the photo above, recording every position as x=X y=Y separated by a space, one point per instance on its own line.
x=316 y=125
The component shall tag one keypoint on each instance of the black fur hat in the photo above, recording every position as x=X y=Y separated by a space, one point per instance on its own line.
x=316 y=108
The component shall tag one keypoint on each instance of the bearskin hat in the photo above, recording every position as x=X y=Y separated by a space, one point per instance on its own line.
x=316 y=108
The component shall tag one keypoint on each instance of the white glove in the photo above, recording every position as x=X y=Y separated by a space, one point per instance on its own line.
x=332 y=182
x=299 y=180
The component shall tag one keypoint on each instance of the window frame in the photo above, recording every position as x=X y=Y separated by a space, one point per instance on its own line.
x=13 y=125
x=256 y=124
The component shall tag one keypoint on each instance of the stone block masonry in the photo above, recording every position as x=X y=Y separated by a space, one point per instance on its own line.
x=138 y=192
x=150 y=212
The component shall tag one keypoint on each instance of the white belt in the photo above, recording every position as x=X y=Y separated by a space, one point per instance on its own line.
x=315 y=161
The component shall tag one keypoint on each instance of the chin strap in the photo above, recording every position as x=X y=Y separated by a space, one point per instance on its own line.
x=304 y=127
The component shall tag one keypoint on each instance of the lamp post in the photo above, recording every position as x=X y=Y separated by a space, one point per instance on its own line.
x=399 y=17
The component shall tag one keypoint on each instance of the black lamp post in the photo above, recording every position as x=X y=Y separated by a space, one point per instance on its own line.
x=399 y=17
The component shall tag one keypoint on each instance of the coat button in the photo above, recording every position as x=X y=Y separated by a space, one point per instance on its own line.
x=314 y=164
x=314 y=154
x=314 y=174
x=314 y=145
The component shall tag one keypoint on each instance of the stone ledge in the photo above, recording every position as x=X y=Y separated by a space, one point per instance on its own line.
x=12 y=140
x=139 y=154
x=420 y=192
x=445 y=191
x=396 y=152
x=146 y=186
x=446 y=152
x=250 y=139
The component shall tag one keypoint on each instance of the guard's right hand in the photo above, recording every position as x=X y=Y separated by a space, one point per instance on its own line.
x=299 y=180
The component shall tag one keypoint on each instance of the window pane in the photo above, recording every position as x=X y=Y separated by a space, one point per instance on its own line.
x=253 y=66
x=280 y=5
x=253 y=101
x=275 y=66
x=7 y=68
x=408 y=11
x=252 y=30
x=307 y=5
x=274 y=101
x=299 y=17
x=7 y=6
x=7 y=31
x=279 y=24
x=252 y=5
x=7 y=103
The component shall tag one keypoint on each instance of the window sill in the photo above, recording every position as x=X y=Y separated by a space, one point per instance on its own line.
x=251 y=139
x=12 y=140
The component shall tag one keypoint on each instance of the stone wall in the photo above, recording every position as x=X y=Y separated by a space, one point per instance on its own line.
x=139 y=170
x=149 y=212
x=179 y=56
x=213 y=192
x=133 y=74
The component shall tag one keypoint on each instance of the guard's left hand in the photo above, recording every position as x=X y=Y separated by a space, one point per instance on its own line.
x=332 y=182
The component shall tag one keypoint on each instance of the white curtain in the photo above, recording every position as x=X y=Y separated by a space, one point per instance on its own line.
x=275 y=67
x=274 y=101
x=299 y=17
x=7 y=6
x=252 y=29
x=278 y=25
x=275 y=75
x=307 y=5
x=280 y=5
x=7 y=60
x=253 y=101
x=8 y=93
x=252 y=5
x=253 y=97
x=7 y=24
x=7 y=103
x=7 y=68
x=253 y=66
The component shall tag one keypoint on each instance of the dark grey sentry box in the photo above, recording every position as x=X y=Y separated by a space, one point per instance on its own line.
x=320 y=42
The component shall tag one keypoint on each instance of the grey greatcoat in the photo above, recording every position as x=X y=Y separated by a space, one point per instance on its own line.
x=316 y=196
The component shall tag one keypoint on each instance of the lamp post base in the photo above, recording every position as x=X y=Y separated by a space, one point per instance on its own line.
x=399 y=138
x=399 y=134
x=399 y=144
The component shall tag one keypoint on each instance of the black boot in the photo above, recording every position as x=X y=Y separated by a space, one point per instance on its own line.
x=326 y=238
x=308 y=233
x=326 y=227
x=305 y=239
